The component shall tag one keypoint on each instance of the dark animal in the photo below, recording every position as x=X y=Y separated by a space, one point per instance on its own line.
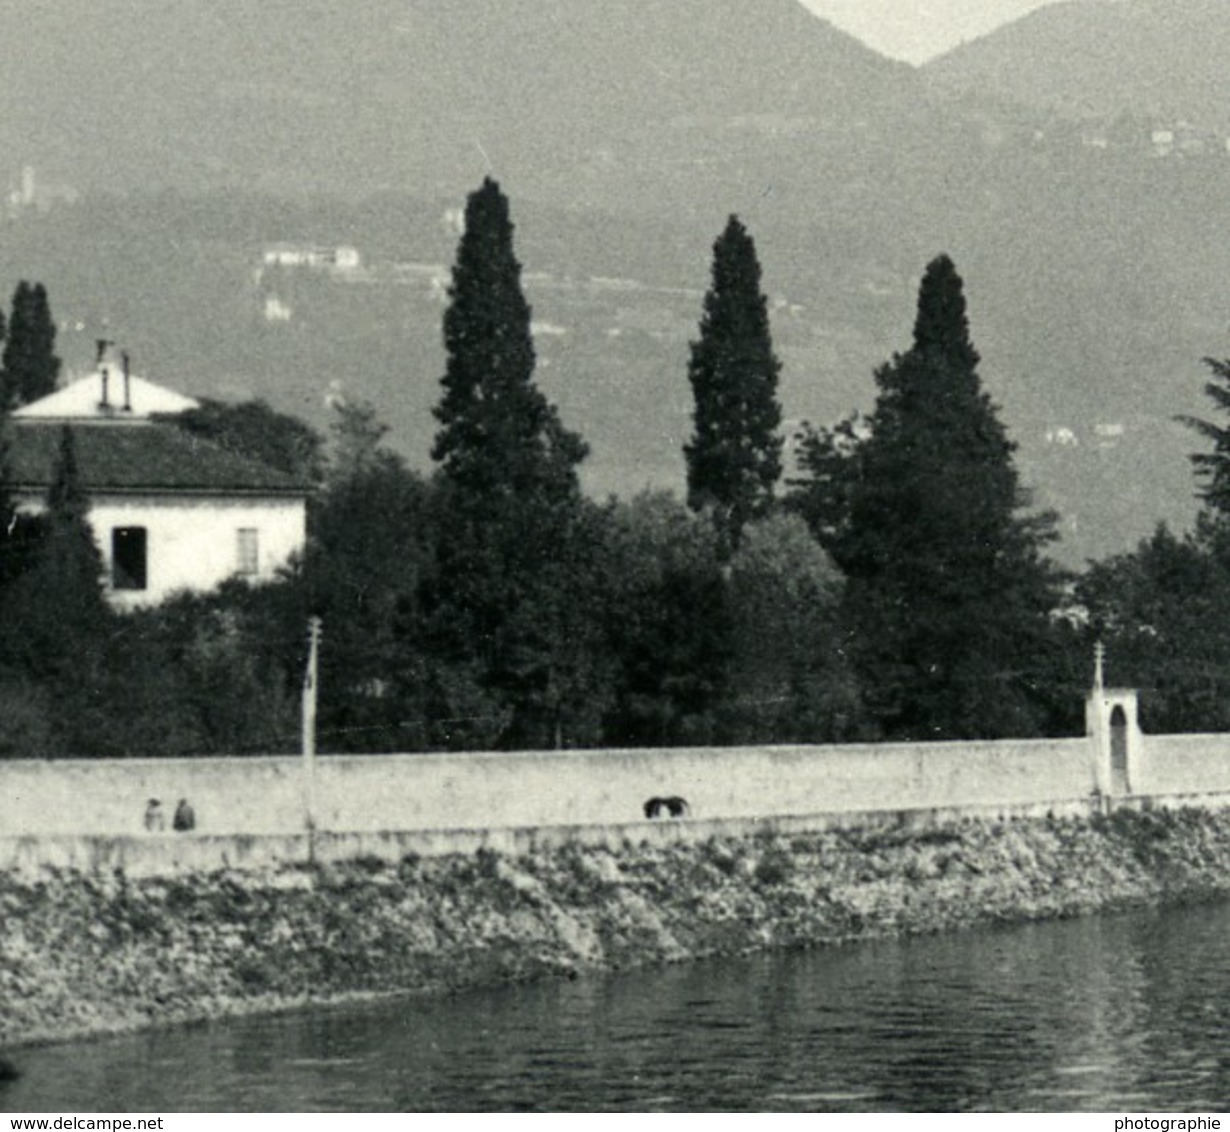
x=675 y=806
x=184 y=818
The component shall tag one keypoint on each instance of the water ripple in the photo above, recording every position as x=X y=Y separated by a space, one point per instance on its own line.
x=1097 y=1014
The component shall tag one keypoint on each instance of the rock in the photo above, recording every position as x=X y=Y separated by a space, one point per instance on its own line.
x=90 y=953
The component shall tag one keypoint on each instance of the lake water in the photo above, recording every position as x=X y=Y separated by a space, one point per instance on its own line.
x=1111 y=1013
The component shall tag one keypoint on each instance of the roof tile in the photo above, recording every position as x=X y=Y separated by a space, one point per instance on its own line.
x=135 y=458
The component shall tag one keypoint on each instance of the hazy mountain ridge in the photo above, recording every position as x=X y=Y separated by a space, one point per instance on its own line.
x=1094 y=289
x=1160 y=61
x=415 y=95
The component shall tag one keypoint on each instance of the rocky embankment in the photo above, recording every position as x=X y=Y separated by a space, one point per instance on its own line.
x=82 y=954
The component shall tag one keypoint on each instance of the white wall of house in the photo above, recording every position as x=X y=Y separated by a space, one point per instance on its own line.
x=193 y=543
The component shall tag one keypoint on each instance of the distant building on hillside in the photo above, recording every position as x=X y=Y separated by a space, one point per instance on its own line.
x=27 y=193
x=277 y=310
x=313 y=256
x=170 y=511
x=1163 y=142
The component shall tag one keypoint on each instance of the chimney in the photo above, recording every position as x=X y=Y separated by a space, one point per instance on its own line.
x=104 y=374
x=127 y=384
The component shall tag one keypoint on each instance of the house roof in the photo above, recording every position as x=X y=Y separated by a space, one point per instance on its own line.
x=110 y=398
x=158 y=458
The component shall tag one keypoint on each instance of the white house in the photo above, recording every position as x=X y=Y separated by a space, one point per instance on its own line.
x=170 y=511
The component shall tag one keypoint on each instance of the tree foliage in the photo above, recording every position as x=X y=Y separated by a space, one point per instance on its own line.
x=1213 y=468
x=670 y=622
x=54 y=620
x=256 y=431
x=949 y=591
x=492 y=605
x=734 y=456
x=499 y=436
x=1163 y=613
x=792 y=681
x=29 y=368
x=356 y=436
x=69 y=567
x=511 y=521
x=370 y=552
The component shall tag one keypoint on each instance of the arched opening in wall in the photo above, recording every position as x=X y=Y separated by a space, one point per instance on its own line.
x=1118 y=751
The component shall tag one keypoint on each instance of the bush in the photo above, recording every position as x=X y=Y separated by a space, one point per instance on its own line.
x=488 y=861
x=774 y=867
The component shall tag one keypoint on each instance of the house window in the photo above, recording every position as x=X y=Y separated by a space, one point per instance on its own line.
x=249 y=551
x=129 y=560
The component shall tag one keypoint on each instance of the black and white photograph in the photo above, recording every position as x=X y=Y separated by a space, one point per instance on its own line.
x=614 y=557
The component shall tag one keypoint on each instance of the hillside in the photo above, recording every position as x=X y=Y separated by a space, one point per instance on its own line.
x=623 y=144
x=1157 y=61
x=565 y=99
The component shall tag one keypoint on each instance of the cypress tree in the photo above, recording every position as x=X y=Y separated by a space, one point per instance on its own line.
x=734 y=456
x=53 y=617
x=948 y=591
x=29 y=364
x=71 y=565
x=503 y=611
x=499 y=435
x=1213 y=468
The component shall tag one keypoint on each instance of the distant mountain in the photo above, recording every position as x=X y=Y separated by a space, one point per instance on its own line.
x=625 y=132
x=1162 y=61
x=564 y=99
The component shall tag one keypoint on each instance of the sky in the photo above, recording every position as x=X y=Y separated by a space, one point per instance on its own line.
x=917 y=30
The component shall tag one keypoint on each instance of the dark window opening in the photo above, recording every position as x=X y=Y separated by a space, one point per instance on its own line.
x=128 y=558
x=1119 y=751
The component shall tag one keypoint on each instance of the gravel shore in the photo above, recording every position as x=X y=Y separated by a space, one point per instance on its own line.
x=84 y=954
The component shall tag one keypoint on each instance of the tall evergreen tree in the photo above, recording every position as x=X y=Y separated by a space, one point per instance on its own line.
x=499 y=435
x=29 y=367
x=949 y=594
x=54 y=620
x=734 y=456
x=1213 y=468
x=501 y=611
x=67 y=572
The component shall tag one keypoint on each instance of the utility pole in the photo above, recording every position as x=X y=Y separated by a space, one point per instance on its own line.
x=309 y=731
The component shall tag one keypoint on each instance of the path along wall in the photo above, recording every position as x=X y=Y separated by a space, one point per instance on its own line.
x=485 y=791
x=367 y=793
